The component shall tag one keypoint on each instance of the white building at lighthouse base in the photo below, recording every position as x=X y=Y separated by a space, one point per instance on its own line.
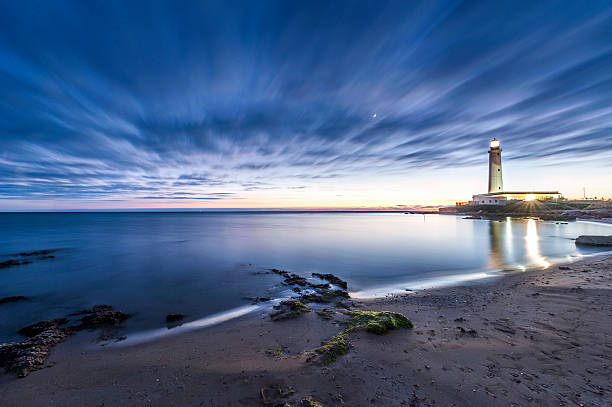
x=502 y=198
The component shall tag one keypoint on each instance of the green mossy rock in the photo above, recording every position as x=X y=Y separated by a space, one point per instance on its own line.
x=333 y=349
x=379 y=323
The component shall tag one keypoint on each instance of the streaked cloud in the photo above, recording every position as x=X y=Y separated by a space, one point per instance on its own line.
x=220 y=100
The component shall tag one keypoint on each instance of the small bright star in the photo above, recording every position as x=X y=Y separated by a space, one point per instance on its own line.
x=374 y=115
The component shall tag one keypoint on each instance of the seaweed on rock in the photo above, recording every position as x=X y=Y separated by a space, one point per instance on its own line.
x=379 y=323
x=289 y=309
x=331 y=350
x=376 y=322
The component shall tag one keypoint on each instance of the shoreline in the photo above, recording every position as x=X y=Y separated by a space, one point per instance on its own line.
x=533 y=337
x=481 y=277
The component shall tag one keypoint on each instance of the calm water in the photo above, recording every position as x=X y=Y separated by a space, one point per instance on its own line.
x=200 y=264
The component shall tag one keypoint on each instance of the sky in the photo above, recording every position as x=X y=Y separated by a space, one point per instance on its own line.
x=281 y=104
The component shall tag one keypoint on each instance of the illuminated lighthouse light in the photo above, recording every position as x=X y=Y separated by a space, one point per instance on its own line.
x=494 y=143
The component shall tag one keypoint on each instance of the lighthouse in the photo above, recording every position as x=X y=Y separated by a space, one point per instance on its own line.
x=496 y=194
x=496 y=183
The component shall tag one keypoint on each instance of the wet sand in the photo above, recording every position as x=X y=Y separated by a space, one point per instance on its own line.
x=540 y=338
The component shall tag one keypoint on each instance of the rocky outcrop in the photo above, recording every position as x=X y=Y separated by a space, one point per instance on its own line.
x=95 y=309
x=288 y=310
x=13 y=298
x=297 y=280
x=31 y=331
x=31 y=354
x=172 y=317
x=103 y=318
x=589 y=240
x=44 y=252
x=13 y=262
x=290 y=278
x=27 y=258
x=332 y=279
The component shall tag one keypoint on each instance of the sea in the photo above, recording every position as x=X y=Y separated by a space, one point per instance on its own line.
x=211 y=265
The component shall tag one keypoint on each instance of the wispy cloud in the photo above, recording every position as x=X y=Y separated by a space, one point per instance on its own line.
x=211 y=101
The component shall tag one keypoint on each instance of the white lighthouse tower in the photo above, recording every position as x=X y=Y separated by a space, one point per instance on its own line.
x=496 y=194
x=496 y=183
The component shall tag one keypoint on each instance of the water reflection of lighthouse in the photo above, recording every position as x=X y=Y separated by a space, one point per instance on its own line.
x=503 y=244
x=497 y=259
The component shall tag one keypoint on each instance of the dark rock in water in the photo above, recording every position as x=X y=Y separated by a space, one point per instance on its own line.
x=13 y=262
x=280 y=272
x=324 y=296
x=332 y=279
x=96 y=308
x=35 y=329
x=37 y=253
x=172 y=317
x=290 y=278
x=324 y=286
x=14 y=298
x=103 y=317
x=296 y=279
x=41 y=254
x=588 y=240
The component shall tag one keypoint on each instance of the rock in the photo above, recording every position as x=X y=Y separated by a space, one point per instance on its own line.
x=296 y=279
x=470 y=332
x=324 y=286
x=95 y=308
x=37 y=253
x=103 y=317
x=272 y=395
x=324 y=296
x=172 y=317
x=35 y=329
x=23 y=357
x=591 y=240
x=41 y=254
x=13 y=262
x=326 y=314
x=332 y=279
x=290 y=278
x=289 y=309
x=30 y=354
x=14 y=298
x=309 y=402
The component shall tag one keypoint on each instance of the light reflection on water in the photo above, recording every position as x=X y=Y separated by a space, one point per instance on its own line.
x=533 y=245
x=198 y=264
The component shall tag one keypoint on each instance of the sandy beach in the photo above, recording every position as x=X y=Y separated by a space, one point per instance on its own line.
x=541 y=338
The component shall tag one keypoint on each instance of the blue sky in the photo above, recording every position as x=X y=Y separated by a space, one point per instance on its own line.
x=114 y=104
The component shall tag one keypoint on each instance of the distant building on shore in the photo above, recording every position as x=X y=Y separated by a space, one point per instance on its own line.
x=496 y=194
